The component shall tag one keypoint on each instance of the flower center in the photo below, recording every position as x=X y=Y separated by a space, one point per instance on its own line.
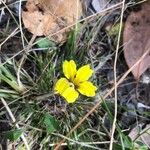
x=71 y=84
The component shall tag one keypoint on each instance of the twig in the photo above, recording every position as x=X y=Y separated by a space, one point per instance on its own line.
x=140 y=134
x=83 y=144
x=20 y=23
x=44 y=96
x=23 y=60
x=11 y=35
x=10 y=12
x=115 y=79
x=14 y=120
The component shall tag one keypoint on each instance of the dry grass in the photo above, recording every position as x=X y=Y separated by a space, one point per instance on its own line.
x=28 y=74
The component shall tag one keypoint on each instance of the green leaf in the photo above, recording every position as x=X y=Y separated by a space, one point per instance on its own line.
x=144 y=147
x=128 y=142
x=13 y=135
x=7 y=73
x=8 y=93
x=140 y=145
x=119 y=147
x=51 y=123
x=45 y=43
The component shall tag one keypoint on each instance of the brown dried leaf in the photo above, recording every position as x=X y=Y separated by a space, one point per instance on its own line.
x=137 y=39
x=144 y=138
x=45 y=17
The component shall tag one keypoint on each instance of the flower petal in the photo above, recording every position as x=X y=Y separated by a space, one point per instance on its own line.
x=61 y=85
x=69 y=69
x=87 y=88
x=70 y=94
x=83 y=74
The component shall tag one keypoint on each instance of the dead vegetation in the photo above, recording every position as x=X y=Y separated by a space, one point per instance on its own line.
x=32 y=116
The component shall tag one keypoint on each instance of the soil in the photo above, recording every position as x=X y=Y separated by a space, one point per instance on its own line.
x=131 y=93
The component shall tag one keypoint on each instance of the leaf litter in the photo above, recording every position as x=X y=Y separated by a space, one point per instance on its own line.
x=99 y=48
x=45 y=17
x=136 y=39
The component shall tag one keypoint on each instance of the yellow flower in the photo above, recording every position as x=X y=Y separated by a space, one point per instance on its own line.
x=76 y=82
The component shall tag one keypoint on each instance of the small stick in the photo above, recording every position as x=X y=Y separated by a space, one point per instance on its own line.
x=115 y=79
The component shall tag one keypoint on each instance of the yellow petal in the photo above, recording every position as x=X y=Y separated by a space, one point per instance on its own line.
x=83 y=74
x=87 y=88
x=69 y=69
x=70 y=94
x=61 y=85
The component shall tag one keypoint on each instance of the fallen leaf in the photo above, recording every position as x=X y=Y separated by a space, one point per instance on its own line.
x=136 y=39
x=144 y=138
x=46 y=17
